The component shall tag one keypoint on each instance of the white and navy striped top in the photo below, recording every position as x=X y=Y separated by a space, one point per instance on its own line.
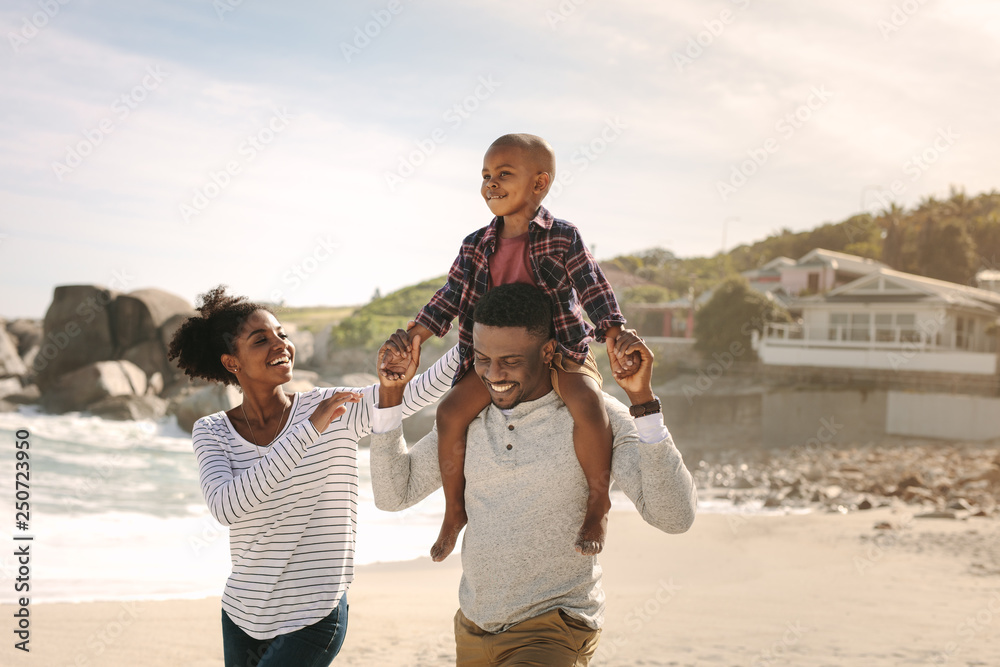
x=292 y=513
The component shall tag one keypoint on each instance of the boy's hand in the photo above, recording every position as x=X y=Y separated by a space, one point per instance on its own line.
x=394 y=373
x=395 y=352
x=399 y=357
x=638 y=383
x=400 y=344
x=623 y=364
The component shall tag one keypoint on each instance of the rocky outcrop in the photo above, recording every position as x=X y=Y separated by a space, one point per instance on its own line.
x=28 y=334
x=96 y=350
x=941 y=480
x=140 y=320
x=77 y=331
x=11 y=364
x=9 y=387
x=305 y=345
x=129 y=407
x=191 y=407
x=81 y=388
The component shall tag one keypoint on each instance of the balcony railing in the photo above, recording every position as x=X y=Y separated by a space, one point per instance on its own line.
x=872 y=338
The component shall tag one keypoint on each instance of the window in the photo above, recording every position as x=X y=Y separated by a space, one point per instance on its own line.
x=889 y=325
x=813 y=283
x=838 y=326
x=907 y=324
x=859 y=326
x=884 y=332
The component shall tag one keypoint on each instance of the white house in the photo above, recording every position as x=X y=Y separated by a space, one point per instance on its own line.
x=988 y=279
x=816 y=272
x=889 y=320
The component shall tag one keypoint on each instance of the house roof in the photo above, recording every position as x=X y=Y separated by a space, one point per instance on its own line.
x=988 y=276
x=772 y=268
x=840 y=261
x=622 y=280
x=888 y=285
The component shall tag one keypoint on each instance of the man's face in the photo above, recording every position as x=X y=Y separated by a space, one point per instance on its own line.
x=512 y=363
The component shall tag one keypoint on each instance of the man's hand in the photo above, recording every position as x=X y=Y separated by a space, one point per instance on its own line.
x=637 y=381
x=622 y=365
x=398 y=359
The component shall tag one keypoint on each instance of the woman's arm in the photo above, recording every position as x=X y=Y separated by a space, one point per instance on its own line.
x=230 y=497
x=421 y=391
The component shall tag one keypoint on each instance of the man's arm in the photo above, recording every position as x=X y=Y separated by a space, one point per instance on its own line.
x=645 y=462
x=652 y=474
x=403 y=477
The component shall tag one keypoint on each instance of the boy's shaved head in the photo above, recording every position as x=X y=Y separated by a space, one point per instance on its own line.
x=537 y=149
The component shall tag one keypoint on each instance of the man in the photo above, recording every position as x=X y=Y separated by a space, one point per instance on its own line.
x=527 y=597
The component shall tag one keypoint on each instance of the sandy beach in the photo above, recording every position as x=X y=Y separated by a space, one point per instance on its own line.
x=817 y=589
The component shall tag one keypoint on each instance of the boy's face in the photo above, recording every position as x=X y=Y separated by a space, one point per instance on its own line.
x=512 y=183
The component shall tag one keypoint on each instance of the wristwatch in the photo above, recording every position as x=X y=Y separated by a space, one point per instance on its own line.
x=644 y=409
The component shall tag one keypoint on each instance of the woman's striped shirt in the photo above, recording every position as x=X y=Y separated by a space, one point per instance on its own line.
x=291 y=507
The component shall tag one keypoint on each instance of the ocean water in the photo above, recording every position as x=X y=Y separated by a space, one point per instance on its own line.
x=117 y=513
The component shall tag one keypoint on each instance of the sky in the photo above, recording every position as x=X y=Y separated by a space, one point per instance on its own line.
x=309 y=153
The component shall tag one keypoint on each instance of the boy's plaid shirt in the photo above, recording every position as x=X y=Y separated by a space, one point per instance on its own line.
x=564 y=269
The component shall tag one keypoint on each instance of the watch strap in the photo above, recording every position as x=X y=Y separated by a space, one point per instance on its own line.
x=643 y=409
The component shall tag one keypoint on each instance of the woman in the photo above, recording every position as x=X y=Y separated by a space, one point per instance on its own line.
x=281 y=471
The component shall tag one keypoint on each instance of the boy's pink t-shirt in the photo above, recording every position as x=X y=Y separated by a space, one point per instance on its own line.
x=509 y=262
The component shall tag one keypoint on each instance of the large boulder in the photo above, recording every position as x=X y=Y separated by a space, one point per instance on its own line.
x=11 y=363
x=129 y=407
x=151 y=357
x=76 y=331
x=9 y=387
x=139 y=315
x=191 y=407
x=27 y=332
x=305 y=345
x=85 y=386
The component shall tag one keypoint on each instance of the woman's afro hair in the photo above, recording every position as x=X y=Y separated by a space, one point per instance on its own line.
x=199 y=343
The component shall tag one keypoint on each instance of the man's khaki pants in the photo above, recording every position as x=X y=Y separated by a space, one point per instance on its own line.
x=553 y=639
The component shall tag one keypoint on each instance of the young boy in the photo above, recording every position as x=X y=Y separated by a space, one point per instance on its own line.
x=524 y=243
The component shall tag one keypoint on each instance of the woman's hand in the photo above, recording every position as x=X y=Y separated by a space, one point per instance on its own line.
x=396 y=367
x=331 y=408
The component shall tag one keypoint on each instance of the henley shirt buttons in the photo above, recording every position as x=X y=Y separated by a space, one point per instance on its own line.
x=510 y=446
x=510 y=427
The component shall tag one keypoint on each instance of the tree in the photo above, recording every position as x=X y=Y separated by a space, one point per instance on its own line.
x=947 y=252
x=734 y=311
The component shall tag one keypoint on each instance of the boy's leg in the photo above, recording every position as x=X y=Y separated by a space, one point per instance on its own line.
x=455 y=412
x=592 y=438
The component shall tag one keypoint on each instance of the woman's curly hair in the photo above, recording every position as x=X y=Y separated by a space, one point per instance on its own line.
x=199 y=343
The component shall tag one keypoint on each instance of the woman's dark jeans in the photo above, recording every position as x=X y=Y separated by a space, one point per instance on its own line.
x=315 y=645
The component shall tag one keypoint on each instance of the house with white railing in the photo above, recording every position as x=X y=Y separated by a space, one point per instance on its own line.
x=890 y=321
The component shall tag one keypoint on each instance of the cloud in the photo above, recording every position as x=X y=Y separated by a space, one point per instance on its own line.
x=413 y=100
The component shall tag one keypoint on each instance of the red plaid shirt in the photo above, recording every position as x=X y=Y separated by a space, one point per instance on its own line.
x=564 y=269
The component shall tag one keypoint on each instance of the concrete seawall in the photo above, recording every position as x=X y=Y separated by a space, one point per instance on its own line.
x=786 y=417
